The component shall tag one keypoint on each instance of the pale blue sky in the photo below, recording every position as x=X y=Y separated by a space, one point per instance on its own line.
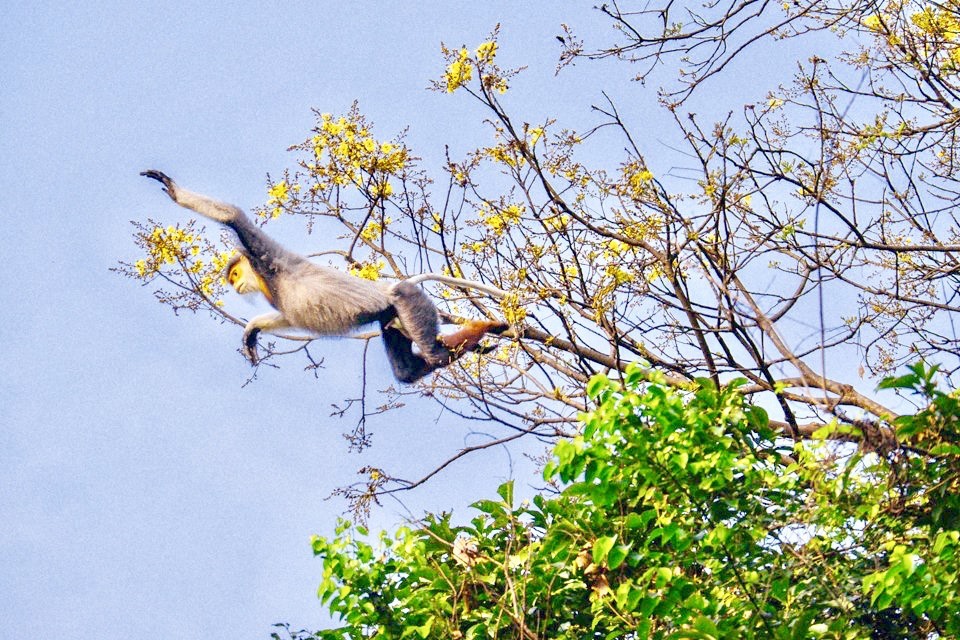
x=145 y=493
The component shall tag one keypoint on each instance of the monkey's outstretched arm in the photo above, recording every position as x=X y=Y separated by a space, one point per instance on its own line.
x=207 y=207
x=267 y=256
x=265 y=322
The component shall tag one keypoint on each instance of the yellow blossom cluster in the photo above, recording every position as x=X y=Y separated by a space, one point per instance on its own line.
x=486 y=52
x=513 y=313
x=937 y=21
x=459 y=71
x=535 y=134
x=210 y=277
x=219 y=263
x=654 y=273
x=939 y=29
x=277 y=195
x=616 y=248
x=618 y=274
x=373 y=230
x=507 y=152
x=479 y=246
x=934 y=31
x=166 y=246
x=502 y=218
x=641 y=229
x=558 y=222
x=368 y=271
x=178 y=247
x=346 y=154
x=637 y=180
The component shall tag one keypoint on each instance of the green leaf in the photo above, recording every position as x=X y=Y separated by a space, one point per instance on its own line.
x=564 y=450
x=617 y=555
x=707 y=626
x=908 y=381
x=639 y=520
x=802 y=625
x=597 y=385
x=424 y=630
x=601 y=547
x=505 y=491
x=491 y=507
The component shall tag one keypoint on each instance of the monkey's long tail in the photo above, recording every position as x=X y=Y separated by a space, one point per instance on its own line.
x=458 y=282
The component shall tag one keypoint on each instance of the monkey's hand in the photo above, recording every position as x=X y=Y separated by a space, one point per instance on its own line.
x=249 y=348
x=168 y=185
x=266 y=322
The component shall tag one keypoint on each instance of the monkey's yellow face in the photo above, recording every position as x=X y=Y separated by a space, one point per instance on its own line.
x=244 y=279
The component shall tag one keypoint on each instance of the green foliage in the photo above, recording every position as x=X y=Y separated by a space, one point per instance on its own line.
x=680 y=515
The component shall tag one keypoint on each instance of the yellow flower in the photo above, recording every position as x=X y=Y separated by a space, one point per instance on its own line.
x=513 y=313
x=557 y=223
x=872 y=22
x=638 y=179
x=486 y=52
x=936 y=22
x=368 y=271
x=384 y=190
x=617 y=247
x=498 y=222
x=279 y=192
x=459 y=72
x=372 y=231
x=619 y=275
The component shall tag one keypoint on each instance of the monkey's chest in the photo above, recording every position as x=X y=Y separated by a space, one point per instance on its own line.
x=331 y=306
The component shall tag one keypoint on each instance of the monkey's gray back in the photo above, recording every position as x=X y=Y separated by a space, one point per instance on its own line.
x=326 y=301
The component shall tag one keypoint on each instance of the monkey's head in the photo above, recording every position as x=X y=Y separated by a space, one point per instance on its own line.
x=243 y=278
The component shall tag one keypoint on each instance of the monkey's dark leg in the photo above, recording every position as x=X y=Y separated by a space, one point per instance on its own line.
x=407 y=366
x=419 y=319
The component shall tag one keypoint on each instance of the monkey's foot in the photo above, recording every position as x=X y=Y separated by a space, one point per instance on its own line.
x=468 y=337
x=494 y=327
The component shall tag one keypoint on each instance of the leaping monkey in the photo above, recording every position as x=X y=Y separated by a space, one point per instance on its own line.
x=327 y=302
